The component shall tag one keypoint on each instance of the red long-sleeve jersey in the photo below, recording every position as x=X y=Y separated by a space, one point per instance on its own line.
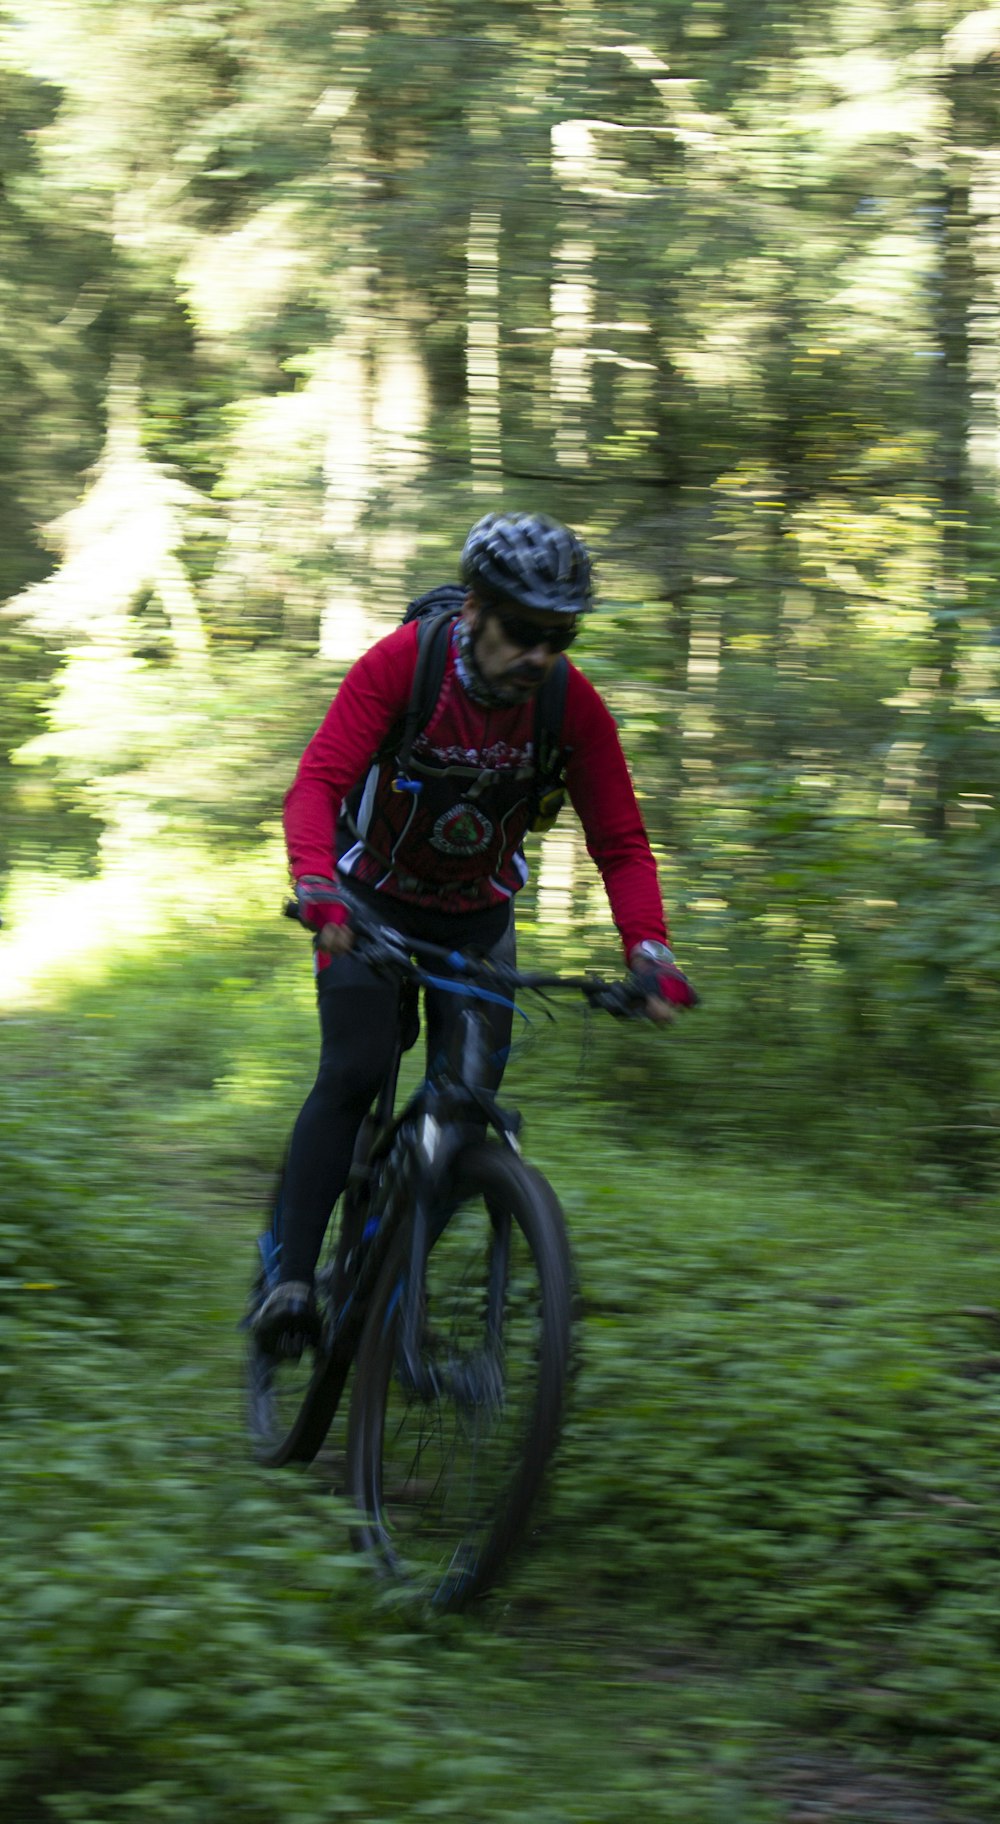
x=456 y=843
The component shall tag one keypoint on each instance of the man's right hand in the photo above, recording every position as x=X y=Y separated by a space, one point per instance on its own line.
x=336 y=940
x=322 y=909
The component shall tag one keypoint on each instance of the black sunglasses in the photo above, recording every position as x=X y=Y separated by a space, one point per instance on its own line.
x=526 y=634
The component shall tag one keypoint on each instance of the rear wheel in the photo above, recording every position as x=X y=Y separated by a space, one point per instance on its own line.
x=445 y=1476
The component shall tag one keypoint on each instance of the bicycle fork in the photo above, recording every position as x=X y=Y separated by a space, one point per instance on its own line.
x=472 y=1378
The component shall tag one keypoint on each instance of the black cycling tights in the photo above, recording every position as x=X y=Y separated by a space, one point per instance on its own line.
x=358 y=1013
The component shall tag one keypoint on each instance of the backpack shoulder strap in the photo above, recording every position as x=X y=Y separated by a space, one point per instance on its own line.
x=433 y=631
x=549 y=713
x=548 y=793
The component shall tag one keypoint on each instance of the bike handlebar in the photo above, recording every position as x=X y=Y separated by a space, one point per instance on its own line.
x=384 y=948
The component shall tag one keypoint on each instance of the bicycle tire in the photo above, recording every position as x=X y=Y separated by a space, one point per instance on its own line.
x=439 y=1514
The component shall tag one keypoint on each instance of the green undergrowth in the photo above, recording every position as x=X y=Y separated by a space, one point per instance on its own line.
x=773 y=1521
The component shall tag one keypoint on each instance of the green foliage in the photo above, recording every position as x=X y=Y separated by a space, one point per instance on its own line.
x=773 y=1512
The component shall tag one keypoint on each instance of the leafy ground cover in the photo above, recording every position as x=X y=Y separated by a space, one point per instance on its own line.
x=763 y=1583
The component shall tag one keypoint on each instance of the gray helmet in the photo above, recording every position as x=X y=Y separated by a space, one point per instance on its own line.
x=529 y=560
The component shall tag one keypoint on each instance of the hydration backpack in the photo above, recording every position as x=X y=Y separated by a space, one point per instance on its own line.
x=436 y=613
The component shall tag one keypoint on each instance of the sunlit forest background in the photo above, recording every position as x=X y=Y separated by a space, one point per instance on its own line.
x=291 y=295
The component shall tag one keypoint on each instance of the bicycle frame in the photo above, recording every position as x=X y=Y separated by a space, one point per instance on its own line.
x=407 y=1156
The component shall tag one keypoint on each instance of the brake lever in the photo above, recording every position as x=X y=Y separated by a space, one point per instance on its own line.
x=375 y=943
x=380 y=946
x=624 y=1000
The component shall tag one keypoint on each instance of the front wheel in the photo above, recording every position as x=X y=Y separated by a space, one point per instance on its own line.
x=445 y=1474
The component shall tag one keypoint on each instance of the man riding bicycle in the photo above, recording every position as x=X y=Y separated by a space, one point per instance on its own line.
x=435 y=846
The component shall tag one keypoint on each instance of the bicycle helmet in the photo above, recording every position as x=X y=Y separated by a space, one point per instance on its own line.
x=530 y=560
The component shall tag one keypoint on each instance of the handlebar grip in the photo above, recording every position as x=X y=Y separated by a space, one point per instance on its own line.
x=625 y=1000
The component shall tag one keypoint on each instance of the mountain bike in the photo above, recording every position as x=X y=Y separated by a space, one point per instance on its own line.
x=449 y=1292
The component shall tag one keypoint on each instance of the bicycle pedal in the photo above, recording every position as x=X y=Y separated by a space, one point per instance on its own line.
x=289 y=1347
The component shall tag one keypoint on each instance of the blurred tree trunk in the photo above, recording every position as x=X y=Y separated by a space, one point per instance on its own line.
x=964 y=305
